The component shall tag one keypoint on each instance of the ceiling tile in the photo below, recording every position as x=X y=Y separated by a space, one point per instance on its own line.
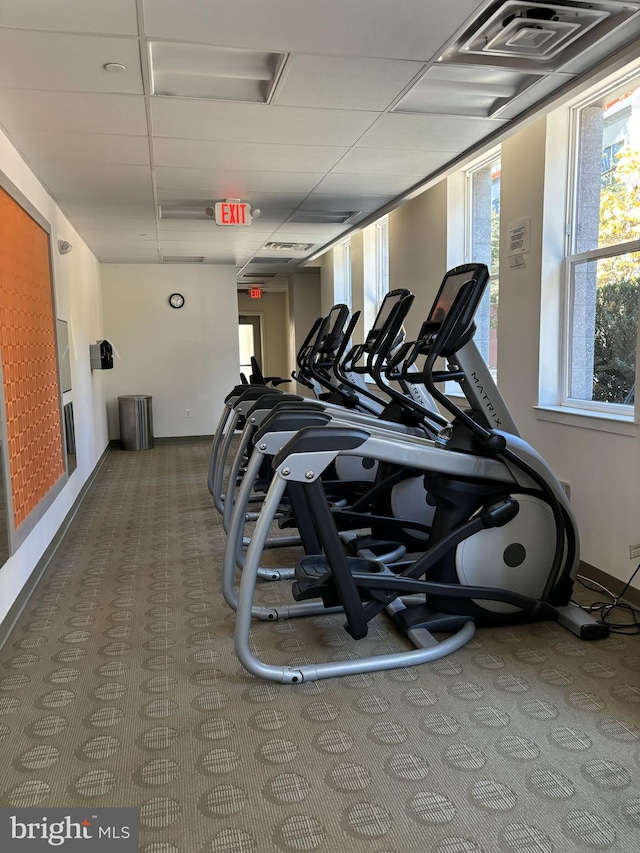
x=97 y=174
x=428 y=132
x=264 y=201
x=393 y=161
x=91 y=214
x=195 y=119
x=412 y=29
x=366 y=185
x=79 y=112
x=117 y=17
x=72 y=63
x=342 y=201
x=41 y=146
x=236 y=184
x=246 y=155
x=116 y=254
x=101 y=193
x=346 y=83
x=194 y=226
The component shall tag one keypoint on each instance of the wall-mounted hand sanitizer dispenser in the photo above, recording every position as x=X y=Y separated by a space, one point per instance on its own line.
x=101 y=355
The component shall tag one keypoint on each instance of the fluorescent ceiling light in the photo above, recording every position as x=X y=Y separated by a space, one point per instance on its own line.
x=182 y=259
x=331 y=217
x=214 y=73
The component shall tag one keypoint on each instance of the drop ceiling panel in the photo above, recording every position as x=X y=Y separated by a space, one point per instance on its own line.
x=342 y=201
x=39 y=146
x=117 y=175
x=428 y=132
x=345 y=83
x=193 y=119
x=92 y=214
x=264 y=201
x=296 y=233
x=102 y=192
x=412 y=29
x=366 y=185
x=116 y=254
x=95 y=236
x=117 y=17
x=246 y=155
x=236 y=184
x=187 y=227
x=72 y=63
x=393 y=161
x=77 y=112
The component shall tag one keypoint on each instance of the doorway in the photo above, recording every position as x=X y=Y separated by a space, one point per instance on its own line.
x=250 y=339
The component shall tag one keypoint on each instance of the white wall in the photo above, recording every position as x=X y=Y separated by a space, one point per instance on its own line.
x=186 y=358
x=418 y=250
x=78 y=300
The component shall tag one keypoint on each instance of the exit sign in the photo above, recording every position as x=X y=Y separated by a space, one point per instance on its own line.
x=233 y=213
x=255 y=293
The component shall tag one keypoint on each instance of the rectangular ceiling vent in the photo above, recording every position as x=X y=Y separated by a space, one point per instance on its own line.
x=269 y=261
x=535 y=32
x=289 y=247
x=259 y=274
x=182 y=259
x=324 y=217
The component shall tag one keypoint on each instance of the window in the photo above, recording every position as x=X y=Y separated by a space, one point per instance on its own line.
x=342 y=274
x=603 y=263
x=482 y=246
x=382 y=260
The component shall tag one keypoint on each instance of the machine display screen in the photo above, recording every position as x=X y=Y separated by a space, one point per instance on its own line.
x=449 y=290
x=386 y=309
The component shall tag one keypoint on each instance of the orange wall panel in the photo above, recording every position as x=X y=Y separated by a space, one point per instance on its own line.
x=29 y=363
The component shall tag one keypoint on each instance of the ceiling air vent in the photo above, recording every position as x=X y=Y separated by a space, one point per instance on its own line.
x=182 y=259
x=532 y=31
x=290 y=247
x=536 y=33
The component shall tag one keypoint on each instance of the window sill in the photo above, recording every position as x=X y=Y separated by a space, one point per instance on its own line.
x=585 y=419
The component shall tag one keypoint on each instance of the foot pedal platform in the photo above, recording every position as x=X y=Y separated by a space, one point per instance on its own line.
x=313 y=578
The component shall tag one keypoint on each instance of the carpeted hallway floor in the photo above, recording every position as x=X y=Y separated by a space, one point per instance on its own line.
x=119 y=687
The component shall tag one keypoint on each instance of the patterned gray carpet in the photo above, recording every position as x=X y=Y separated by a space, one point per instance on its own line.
x=119 y=687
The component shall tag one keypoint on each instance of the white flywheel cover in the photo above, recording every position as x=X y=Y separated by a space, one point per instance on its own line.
x=529 y=540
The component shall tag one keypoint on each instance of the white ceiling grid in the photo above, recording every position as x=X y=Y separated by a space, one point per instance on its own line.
x=375 y=97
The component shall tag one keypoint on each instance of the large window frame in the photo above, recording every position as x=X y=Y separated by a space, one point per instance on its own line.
x=382 y=260
x=480 y=249
x=342 y=289
x=580 y=269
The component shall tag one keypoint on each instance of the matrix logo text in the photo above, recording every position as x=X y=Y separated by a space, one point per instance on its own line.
x=34 y=830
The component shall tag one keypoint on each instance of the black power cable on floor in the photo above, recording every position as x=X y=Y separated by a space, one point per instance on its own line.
x=614 y=605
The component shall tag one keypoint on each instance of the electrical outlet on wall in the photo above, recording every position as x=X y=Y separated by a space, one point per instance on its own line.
x=187 y=413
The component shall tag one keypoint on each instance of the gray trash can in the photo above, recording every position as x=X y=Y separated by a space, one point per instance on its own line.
x=136 y=422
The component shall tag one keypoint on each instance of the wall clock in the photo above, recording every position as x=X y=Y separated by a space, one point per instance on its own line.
x=176 y=300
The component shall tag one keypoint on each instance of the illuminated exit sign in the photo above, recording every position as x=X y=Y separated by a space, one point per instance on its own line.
x=233 y=213
x=255 y=293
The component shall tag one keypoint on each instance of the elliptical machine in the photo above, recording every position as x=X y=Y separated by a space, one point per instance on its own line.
x=504 y=546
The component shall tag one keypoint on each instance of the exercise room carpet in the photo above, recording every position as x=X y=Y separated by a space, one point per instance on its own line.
x=119 y=687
